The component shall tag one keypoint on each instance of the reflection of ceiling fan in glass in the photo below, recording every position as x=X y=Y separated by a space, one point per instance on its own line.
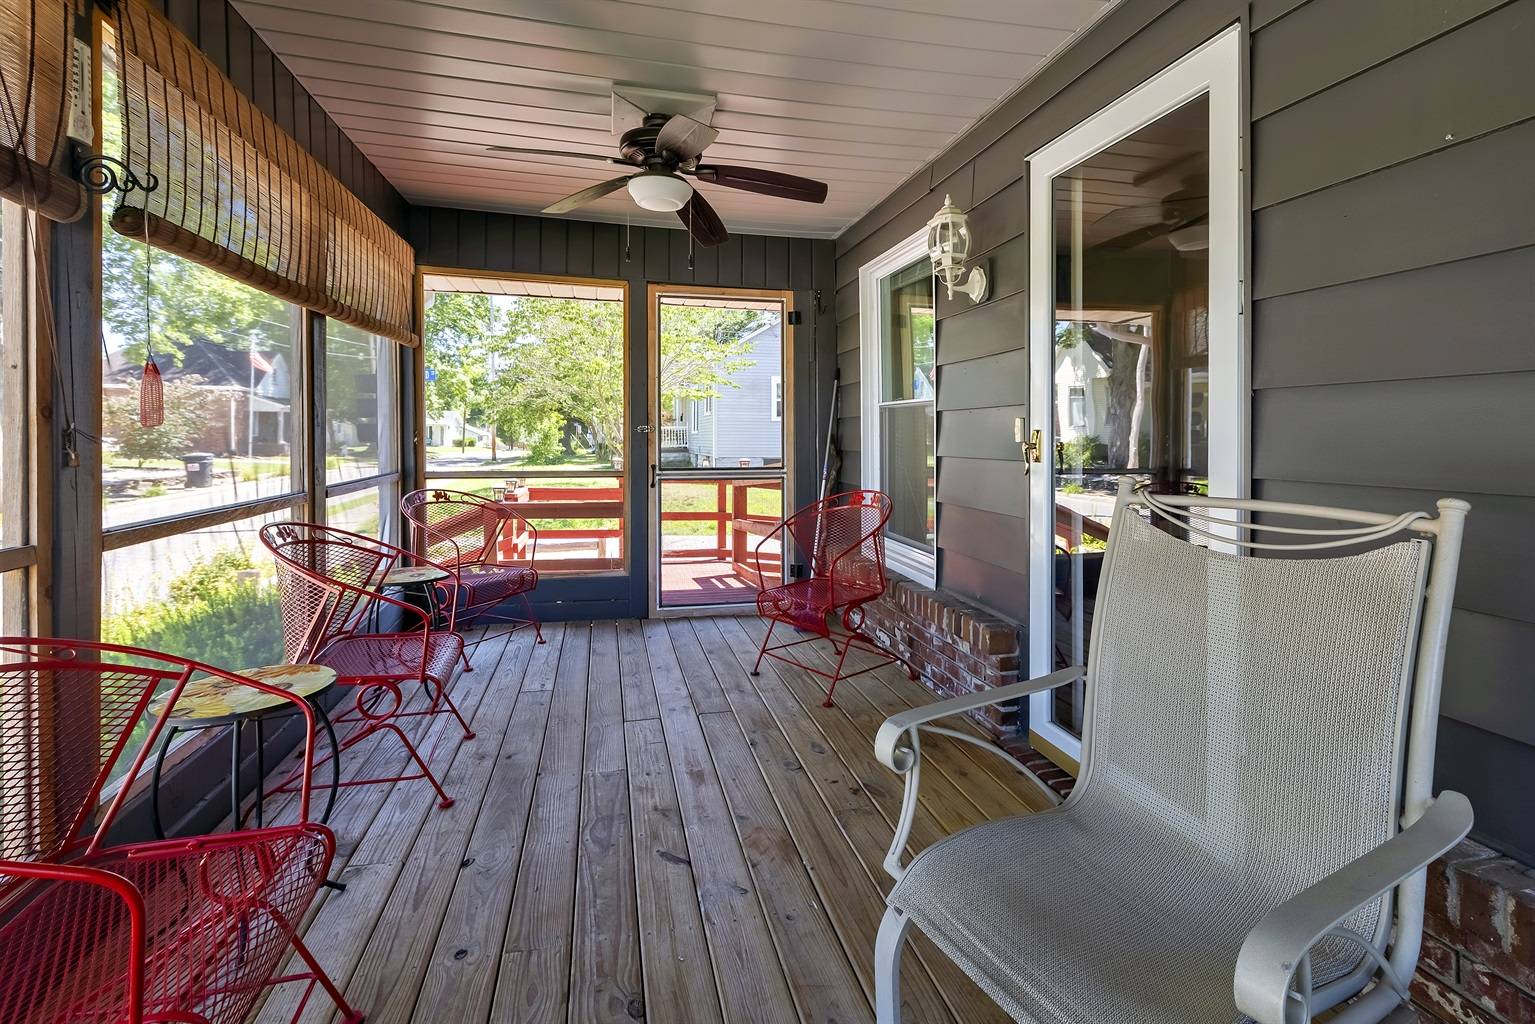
x=663 y=148
x=1182 y=216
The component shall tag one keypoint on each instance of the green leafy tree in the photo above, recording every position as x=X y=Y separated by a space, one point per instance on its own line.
x=459 y=327
x=188 y=409
x=186 y=303
x=543 y=371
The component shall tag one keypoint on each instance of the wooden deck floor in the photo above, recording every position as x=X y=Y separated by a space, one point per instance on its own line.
x=642 y=831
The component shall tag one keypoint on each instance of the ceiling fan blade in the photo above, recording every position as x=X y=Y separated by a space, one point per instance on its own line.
x=701 y=220
x=587 y=195
x=553 y=152
x=684 y=137
x=1168 y=211
x=768 y=183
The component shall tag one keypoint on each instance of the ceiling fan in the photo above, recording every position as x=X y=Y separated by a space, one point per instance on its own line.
x=663 y=148
x=1177 y=216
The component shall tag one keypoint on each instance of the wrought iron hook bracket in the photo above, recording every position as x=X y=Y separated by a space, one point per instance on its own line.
x=101 y=174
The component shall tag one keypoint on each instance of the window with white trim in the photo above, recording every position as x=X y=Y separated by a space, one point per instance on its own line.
x=898 y=346
x=775 y=399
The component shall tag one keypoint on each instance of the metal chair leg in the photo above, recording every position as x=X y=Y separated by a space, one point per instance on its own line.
x=348 y=1014
x=887 y=966
x=527 y=603
x=443 y=799
x=836 y=675
x=762 y=651
x=442 y=696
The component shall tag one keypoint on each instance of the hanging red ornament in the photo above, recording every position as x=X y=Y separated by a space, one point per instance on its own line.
x=151 y=395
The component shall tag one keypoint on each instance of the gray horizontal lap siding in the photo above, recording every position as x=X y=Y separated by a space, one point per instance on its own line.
x=741 y=421
x=1393 y=357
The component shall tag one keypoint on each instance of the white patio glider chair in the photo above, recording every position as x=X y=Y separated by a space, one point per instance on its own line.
x=1250 y=830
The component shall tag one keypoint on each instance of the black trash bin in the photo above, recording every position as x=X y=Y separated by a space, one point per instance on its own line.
x=199 y=467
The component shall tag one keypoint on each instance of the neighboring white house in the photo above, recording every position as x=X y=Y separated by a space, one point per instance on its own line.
x=1082 y=380
x=449 y=428
x=744 y=422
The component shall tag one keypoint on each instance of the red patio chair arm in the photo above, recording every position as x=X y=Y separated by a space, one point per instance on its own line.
x=757 y=550
x=133 y=900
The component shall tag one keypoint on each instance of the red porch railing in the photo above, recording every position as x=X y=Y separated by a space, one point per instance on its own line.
x=734 y=534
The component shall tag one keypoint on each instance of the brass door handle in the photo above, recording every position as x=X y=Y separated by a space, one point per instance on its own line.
x=1033 y=446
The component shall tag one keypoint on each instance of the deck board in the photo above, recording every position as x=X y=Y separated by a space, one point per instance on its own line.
x=642 y=831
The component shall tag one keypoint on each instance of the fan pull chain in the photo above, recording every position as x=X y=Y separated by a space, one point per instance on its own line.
x=690 y=236
x=628 y=230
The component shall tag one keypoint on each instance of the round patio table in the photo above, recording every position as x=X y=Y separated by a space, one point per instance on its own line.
x=419 y=583
x=213 y=702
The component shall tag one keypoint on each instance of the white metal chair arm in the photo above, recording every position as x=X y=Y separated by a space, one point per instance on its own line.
x=1278 y=946
x=887 y=741
x=898 y=744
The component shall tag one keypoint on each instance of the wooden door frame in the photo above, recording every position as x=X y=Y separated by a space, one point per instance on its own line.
x=653 y=293
x=562 y=588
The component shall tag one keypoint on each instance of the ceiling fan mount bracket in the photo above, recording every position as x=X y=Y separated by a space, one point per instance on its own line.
x=633 y=103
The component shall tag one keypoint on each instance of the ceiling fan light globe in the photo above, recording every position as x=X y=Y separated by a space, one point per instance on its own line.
x=664 y=193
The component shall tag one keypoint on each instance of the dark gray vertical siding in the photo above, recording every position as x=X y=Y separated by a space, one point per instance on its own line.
x=1393 y=357
x=471 y=240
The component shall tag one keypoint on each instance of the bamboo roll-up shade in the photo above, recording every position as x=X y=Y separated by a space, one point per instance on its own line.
x=240 y=195
x=36 y=52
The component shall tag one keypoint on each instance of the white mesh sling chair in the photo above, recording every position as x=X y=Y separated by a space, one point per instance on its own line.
x=1250 y=829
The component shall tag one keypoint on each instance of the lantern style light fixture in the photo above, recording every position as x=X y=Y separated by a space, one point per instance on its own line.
x=948 y=246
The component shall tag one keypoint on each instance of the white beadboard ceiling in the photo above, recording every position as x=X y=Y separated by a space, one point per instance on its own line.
x=857 y=94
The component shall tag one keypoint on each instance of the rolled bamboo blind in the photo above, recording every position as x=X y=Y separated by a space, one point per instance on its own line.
x=238 y=194
x=36 y=50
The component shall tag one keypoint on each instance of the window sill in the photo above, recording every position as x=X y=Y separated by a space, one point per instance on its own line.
x=912 y=563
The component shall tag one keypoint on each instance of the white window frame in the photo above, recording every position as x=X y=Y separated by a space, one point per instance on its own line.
x=1213 y=69
x=908 y=560
x=775 y=398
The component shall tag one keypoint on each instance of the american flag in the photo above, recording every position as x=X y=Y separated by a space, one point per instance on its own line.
x=260 y=362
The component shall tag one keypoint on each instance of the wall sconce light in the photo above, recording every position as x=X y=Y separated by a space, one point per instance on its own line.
x=948 y=246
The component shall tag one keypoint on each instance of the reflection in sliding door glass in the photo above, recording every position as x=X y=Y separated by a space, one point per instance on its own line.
x=1131 y=370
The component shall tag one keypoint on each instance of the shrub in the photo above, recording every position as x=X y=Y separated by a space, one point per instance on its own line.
x=220 y=612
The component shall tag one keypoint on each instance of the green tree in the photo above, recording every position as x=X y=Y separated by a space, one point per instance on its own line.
x=533 y=367
x=188 y=408
x=459 y=328
x=186 y=303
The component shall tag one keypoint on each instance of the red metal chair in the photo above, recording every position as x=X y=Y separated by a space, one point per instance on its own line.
x=328 y=580
x=461 y=531
x=843 y=540
x=187 y=930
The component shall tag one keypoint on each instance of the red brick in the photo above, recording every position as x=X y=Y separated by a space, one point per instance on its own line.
x=1446 y=1004
x=1484 y=904
x=1437 y=959
x=1496 y=994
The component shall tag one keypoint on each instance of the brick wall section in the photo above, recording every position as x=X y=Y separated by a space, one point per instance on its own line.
x=955 y=647
x=1478 y=964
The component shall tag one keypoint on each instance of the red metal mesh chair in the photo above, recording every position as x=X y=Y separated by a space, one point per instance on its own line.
x=186 y=930
x=843 y=540
x=461 y=530
x=328 y=580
